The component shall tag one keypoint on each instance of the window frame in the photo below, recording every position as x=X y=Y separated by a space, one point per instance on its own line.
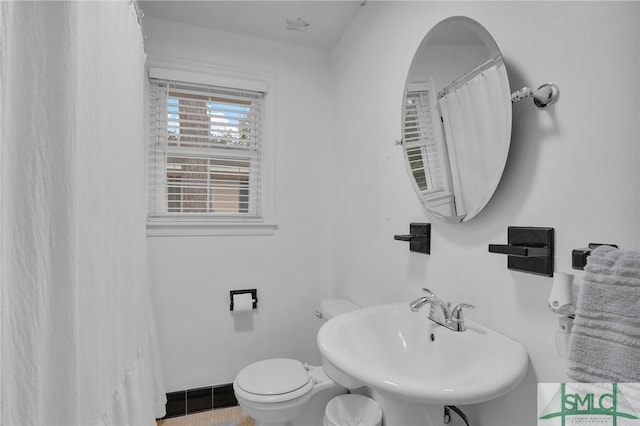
x=197 y=73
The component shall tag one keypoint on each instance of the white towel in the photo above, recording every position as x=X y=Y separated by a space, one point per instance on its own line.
x=605 y=340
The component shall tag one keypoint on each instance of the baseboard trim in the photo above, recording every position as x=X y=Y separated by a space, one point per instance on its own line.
x=195 y=400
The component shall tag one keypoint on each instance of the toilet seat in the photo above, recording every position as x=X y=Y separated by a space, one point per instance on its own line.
x=273 y=380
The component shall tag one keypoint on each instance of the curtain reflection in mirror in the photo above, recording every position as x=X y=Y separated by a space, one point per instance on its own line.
x=475 y=134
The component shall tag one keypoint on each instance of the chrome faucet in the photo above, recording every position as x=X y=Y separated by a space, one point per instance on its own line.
x=453 y=319
x=435 y=315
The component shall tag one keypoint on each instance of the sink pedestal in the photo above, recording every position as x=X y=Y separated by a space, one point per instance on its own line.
x=399 y=412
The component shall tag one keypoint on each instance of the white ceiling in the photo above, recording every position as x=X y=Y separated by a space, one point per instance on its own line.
x=264 y=19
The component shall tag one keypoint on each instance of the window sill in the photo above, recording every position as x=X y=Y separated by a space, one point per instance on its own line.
x=203 y=228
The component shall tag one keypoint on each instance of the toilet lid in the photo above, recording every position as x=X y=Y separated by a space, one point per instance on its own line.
x=273 y=377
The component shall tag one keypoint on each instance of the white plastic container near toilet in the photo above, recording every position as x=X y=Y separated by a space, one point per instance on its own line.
x=286 y=392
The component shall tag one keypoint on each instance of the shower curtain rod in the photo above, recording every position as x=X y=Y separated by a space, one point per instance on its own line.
x=469 y=75
x=543 y=96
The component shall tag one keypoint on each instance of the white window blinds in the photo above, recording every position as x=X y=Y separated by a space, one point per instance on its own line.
x=421 y=144
x=205 y=151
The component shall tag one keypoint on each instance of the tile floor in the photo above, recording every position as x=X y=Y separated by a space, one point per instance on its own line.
x=232 y=416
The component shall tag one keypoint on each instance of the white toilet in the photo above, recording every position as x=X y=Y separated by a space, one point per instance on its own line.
x=286 y=392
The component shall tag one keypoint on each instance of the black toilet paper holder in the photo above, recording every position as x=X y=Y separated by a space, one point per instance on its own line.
x=254 y=296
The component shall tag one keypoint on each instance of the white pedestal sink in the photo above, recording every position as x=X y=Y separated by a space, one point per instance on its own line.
x=413 y=367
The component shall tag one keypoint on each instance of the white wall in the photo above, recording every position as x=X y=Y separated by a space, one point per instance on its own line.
x=342 y=189
x=202 y=343
x=573 y=167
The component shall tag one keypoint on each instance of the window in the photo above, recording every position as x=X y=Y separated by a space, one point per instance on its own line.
x=421 y=145
x=205 y=152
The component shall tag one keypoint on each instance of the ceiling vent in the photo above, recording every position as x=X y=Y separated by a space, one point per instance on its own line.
x=298 y=24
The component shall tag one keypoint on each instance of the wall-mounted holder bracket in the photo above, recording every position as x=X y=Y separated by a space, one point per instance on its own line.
x=529 y=249
x=579 y=256
x=254 y=296
x=419 y=237
x=543 y=96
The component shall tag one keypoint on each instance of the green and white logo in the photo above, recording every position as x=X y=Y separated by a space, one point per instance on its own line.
x=592 y=404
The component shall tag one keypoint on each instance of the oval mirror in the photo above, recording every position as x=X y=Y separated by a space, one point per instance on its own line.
x=456 y=119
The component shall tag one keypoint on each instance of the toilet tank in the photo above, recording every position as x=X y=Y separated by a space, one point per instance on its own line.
x=330 y=308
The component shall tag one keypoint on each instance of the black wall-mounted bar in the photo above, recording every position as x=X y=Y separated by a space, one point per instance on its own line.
x=529 y=249
x=419 y=237
x=579 y=256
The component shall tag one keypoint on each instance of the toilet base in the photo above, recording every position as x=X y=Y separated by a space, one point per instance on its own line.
x=310 y=406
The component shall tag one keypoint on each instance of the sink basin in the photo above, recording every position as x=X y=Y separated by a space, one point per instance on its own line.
x=394 y=351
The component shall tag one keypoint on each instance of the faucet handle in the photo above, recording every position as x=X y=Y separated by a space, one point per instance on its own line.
x=458 y=318
x=431 y=294
x=457 y=311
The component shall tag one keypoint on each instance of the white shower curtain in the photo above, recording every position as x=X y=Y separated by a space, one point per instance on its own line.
x=78 y=344
x=477 y=122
